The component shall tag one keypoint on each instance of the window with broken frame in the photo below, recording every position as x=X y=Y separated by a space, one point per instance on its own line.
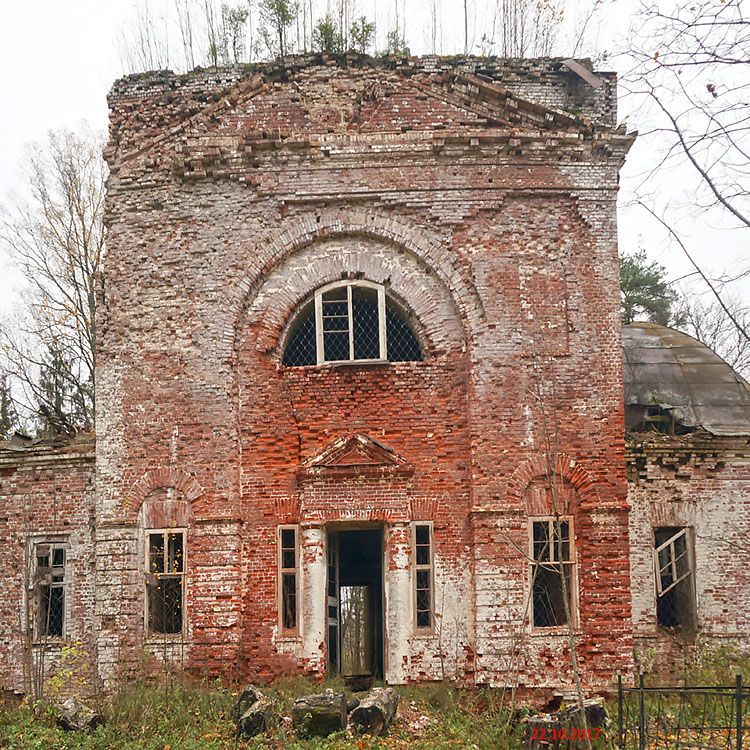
x=674 y=571
x=165 y=581
x=424 y=600
x=288 y=585
x=48 y=589
x=552 y=557
x=350 y=321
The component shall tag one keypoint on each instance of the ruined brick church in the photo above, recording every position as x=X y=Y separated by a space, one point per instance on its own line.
x=361 y=400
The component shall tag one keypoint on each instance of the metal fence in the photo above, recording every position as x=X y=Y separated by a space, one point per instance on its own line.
x=682 y=718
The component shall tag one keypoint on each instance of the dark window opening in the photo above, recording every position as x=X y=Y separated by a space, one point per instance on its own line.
x=165 y=581
x=165 y=606
x=423 y=575
x=49 y=590
x=402 y=343
x=300 y=349
x=366 y=323
x=553 y=560
x=654 y=418
x=674 y=570
x=288 y=555
x=549 y=602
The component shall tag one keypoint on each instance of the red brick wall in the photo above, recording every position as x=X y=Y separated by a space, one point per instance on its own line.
x=47 y=492
x=499 y=235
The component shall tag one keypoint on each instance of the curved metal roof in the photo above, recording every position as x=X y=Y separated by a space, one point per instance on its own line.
x=669 y=369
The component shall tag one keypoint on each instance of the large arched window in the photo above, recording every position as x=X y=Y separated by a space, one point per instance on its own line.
x=350 y=321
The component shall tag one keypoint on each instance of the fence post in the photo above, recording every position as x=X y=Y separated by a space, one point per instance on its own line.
x=619 y=711
x=641 y=712
x=738 y=702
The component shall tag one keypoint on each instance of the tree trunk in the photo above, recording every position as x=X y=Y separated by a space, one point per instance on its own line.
x=258 y=718
x=319 y=715
x=376 y=712
x=245 y=700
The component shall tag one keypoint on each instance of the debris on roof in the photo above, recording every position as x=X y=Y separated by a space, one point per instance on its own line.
x=674 y=383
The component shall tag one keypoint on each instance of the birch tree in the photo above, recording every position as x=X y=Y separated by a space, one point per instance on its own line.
x=55 y=237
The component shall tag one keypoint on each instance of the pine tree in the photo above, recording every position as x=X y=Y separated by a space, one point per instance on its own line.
x=8 y=415
x=644 y=290
x=60 y=409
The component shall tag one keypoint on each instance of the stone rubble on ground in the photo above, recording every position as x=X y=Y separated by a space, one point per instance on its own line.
x=75 y=716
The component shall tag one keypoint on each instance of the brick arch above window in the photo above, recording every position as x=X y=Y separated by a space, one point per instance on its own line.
x=529 y=485
x=405 y=280
x=152 y=483
x=431 y=253
x=541 y=500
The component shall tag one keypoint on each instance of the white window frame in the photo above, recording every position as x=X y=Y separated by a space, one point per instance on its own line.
x=572 y=562
x=282 y=571
x=421 y=567
x=319 y=318
x=155 y=634
x=673 y=560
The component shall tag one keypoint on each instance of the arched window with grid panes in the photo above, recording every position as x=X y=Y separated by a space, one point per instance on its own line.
x=350 y=321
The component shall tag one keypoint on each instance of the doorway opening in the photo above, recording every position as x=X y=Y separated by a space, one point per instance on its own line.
x=355 y=603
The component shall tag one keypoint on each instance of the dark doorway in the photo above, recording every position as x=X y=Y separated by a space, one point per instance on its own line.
x=355 y=602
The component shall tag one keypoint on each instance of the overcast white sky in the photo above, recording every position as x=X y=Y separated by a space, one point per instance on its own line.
x=59 y=59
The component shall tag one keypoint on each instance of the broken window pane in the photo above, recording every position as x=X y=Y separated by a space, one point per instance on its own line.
x=675 y=600
x=165 y=581
x=541 y=540
x=165 y=605
x=174 y=559
x=553 y=555
x=549 y=601
x=49 y=590
x=156 y=553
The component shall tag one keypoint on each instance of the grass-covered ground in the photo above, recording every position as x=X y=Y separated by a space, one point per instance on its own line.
x=181 y=716
x=175 y=714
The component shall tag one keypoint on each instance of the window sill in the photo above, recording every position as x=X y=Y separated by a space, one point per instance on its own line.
x=52 y=642
x=289 y=638
x=365 y=363
x=356 y=363
x=159 y=639
x=556 y=631
x=424 y=633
